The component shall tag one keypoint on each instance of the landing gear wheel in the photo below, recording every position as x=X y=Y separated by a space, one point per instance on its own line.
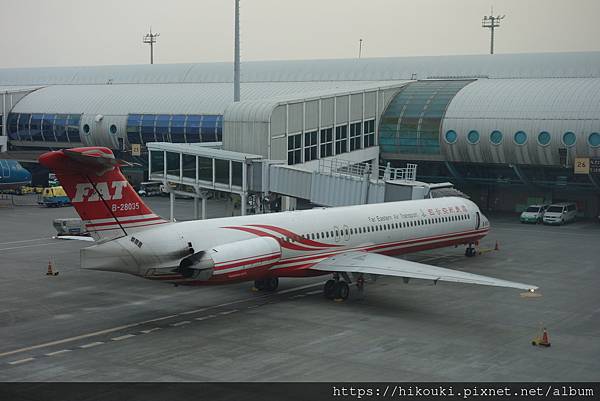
x=343 y=290
x=259 y=285
x=271 y=284
x=329 y=290
x=470 y=252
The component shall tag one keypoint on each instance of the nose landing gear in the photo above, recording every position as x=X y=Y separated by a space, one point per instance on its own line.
x=470 y=251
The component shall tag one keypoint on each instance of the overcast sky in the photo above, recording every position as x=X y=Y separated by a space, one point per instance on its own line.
x=93 y=32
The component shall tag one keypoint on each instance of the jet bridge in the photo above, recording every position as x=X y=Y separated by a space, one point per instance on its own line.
x=194 y=170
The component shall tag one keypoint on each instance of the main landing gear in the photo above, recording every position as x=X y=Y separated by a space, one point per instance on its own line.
x=470 y=251
x=336 y=289
x=268 y=284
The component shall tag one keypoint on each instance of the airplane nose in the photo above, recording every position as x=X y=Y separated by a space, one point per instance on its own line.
x=111 y=256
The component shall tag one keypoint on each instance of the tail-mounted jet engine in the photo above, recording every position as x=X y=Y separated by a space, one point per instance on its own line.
x=256 y=254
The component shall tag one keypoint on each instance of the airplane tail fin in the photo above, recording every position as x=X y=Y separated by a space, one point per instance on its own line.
x=105 y=201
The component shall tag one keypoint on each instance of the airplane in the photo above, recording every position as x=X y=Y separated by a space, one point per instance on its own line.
x=13 y=175
x=352 y=243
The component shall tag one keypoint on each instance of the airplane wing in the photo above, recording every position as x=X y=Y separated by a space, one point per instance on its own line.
x=372 y=263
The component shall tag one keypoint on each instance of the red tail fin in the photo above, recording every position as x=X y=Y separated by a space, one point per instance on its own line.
x=103 y=198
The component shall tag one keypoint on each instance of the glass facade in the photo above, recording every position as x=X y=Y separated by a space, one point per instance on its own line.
x=44 y=127
x=177 y=128
x=412 y=121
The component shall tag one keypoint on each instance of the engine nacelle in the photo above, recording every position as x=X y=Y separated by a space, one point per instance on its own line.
x=236 y=259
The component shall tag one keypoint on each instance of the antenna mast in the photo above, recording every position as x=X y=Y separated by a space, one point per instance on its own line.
x=150 y=38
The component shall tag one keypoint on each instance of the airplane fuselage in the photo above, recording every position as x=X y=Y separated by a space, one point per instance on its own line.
x=287 y=244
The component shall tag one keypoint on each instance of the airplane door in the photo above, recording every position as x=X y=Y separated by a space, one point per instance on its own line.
x=477 y=220
x=336 y=231
x=346 y=233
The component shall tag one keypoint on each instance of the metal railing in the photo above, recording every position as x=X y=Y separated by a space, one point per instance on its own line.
x=340 y=167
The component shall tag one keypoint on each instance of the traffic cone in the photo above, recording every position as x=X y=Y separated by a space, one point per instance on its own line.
x=545 y=340
x=497 y=247
x=49 y=272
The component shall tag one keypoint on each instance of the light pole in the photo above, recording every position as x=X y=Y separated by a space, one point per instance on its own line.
x=236 y=54
x=491 y=22
x=150 y=38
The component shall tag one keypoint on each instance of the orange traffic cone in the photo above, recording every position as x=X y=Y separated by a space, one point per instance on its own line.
x=497 y=247
x=545 y=340
x=50 y=272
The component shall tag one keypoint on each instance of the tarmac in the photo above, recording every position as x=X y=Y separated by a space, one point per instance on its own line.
x=101 y=326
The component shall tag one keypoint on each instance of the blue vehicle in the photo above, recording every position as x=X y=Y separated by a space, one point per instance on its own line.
x=13 y=175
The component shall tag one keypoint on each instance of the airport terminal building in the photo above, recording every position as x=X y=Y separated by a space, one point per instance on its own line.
x=506 y=129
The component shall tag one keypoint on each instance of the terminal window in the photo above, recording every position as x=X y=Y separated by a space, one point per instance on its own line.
x=326 y=142
x=355 y=136
x=310 y=146
x=341 y=139
x=295 y=149
x=369 y=137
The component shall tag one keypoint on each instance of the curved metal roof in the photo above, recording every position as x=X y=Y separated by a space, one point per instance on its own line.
x=207 y=98
x=523 y=109
x=534 y=65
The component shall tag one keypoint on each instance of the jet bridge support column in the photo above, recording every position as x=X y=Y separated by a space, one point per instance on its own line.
x=196 y=211
x=171 y=205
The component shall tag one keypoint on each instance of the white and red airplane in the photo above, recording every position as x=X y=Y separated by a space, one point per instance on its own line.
x=351 y=243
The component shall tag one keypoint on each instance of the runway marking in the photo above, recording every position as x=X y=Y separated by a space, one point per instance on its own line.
x=193 y=311
x=180 y=323
x=128 y=326
x=24 y=240
x=27 y=246
x=21 y=361
x=90 y=345
x=150 y=330
x=228 y=312
x=205 y=317
x=62 y=351
x=123 y=337
x=314 y=292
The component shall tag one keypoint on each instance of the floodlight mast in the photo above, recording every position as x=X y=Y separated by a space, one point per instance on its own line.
x=492 y=22
x=236 y=55
x=150 y=38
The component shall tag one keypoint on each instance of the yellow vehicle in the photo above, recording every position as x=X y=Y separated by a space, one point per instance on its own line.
x=54 y=197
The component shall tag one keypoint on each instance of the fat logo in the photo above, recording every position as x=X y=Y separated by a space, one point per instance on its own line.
x=84 y=192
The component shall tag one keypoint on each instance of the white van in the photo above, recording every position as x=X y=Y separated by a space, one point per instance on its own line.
x=560 y=213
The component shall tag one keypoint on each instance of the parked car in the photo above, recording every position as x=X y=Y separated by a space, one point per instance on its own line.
x=560 y=213
x=533 y=214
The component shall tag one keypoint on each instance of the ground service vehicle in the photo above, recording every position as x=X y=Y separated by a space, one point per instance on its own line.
x=560 y=213
x=533 y=214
